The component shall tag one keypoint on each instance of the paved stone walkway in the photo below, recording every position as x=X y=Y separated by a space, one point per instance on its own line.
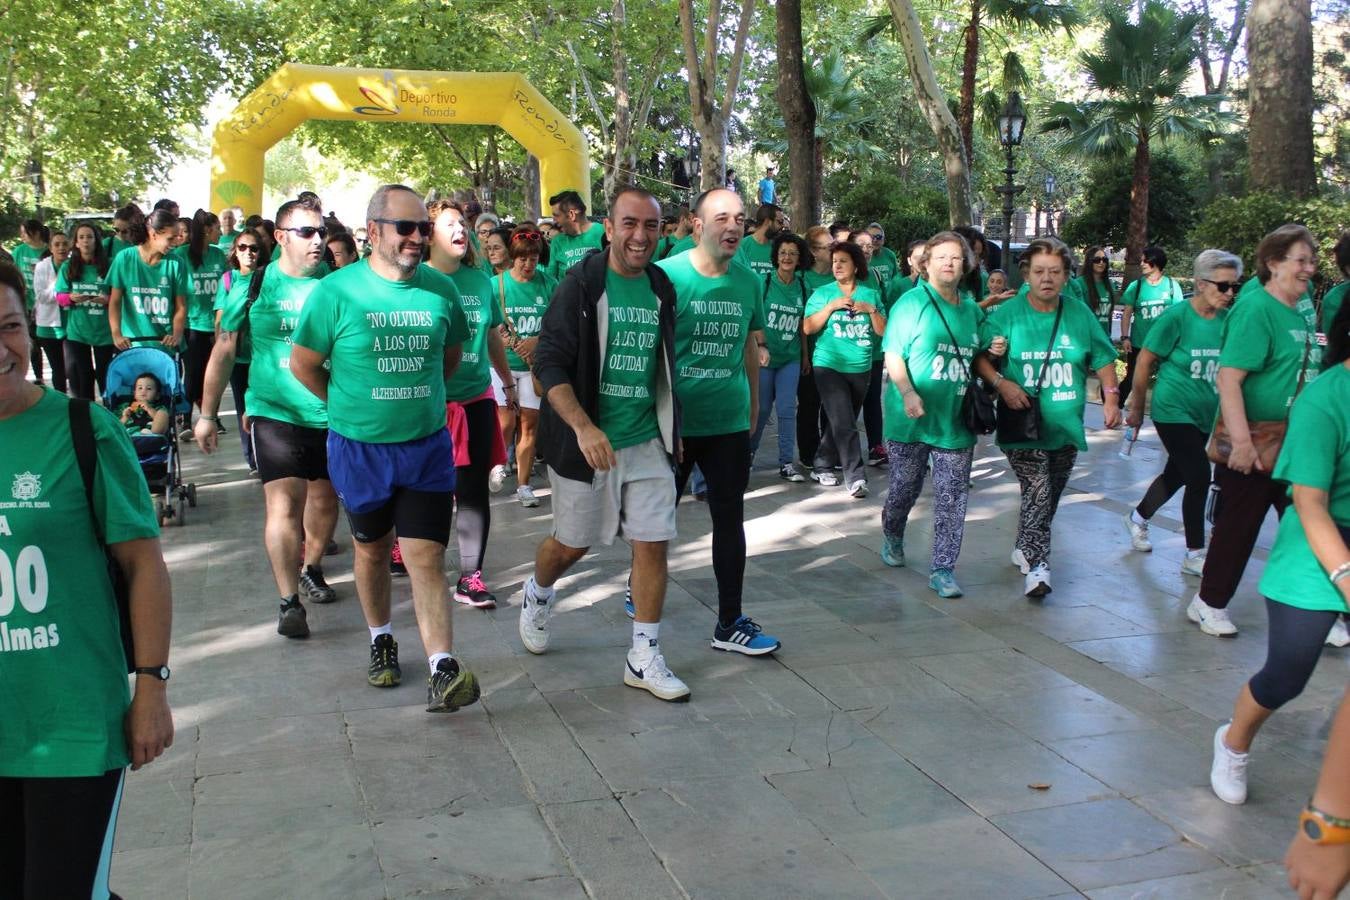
x=898 y=746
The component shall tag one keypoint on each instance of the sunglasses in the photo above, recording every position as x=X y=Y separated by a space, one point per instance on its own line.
x=405 y=227
x=306 y=232
x=247 y=248
x=1098 y=259
x=527 y=236
x=1224 y=287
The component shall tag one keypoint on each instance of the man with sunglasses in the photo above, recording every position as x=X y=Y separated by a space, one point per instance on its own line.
x=577 y=235
x=391 y=330
x=288 y=425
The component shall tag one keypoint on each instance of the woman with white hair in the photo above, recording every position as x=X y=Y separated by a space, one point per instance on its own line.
x=1184 y=342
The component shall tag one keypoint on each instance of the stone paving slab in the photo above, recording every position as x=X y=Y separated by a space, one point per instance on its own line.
x=898 y=746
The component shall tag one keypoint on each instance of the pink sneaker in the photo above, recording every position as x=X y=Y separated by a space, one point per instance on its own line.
x=471 y=591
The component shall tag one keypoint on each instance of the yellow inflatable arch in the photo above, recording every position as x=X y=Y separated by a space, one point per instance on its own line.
x=296 y=93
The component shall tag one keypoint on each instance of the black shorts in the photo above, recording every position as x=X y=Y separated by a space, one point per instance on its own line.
x=282 y=450
x=413 y=514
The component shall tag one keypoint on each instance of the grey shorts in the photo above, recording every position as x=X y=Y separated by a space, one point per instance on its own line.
x=637 y=495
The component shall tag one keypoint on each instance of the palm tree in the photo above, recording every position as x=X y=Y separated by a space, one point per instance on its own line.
x=1137 y=76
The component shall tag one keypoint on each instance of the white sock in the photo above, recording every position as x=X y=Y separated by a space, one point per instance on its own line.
x=386 y=628
x=645 y=635
x=540 y=592
x=1195 y=554
x=434 y=658
x=1137 y=519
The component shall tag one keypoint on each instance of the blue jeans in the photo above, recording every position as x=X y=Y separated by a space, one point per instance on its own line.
x=778 y=393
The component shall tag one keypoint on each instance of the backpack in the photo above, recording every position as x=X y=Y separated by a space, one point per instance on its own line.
x=86 y=456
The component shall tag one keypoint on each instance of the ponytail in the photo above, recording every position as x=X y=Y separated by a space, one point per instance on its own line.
x=159 y=220
x=201 y=220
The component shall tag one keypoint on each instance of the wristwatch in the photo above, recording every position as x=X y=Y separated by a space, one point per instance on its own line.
x=1322 y=828
x=160 y=672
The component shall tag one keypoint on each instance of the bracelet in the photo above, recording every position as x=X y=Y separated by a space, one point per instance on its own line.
x=1340 y=573
x=508 y=387
x=998 y=381
x=1111 y=390
x=1334 y=821
x=205 y=418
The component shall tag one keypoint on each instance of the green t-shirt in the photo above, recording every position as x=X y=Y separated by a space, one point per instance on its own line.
x=1102 y=308
x=885 y=264
x=232 y=282
x=1149 y=302
x=148 y=292
x=203 y=282
x=565 y=251
x=525 y=304
x=627 y=407
x=273 y=392
x=897 y=287
x=1079 y=347
x=783 y=308
x=845 y=343
x=87 y=323
x=26 y=258
x=713 y=320
x=114 y=245
x=1331 y=304
x=755 y=256
x=815 y=280
x=683 y=245
x=482 y=311
x=1187 y=345
x=386 y=342
x=63 y=682
x=1316 y=454
x=1269 y=341
x=939 y=370
x=227 y=240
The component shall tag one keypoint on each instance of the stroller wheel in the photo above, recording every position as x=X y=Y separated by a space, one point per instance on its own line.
x=161 y=512
x=181 y=515
x=192 y=495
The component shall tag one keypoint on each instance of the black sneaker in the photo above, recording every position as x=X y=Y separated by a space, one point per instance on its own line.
x=877 y=456
x=471 y=591
x=384 y=670
x=332 y=549
x=396 y=566
x=312 y=583
x=450 y=687
x=291 y=619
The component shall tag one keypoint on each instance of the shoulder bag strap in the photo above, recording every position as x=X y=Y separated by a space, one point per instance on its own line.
x=1045 y=363
x=513 y=336
x=970 y=375
x=86 y=454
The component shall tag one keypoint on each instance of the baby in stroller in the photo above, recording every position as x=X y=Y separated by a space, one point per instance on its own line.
x=145 y=413
x=145 y=391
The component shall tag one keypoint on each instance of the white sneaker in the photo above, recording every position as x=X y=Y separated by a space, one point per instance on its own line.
x=497 y=479
x=534 y=615
x=1037 y=582
x=825 y=479
x=1193 y=565
x=1211 y=621
x=1339 y=636
x=1019 y=559
x=525 y=494
x=653 y=675
x=1138 y=534
x=1228 y=774
x=858 y=489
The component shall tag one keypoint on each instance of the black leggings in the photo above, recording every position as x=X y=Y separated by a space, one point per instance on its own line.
x=199 y=344
x=1188 y=467
x=808 y=418
x=83 y=374
x=724 y=461
x=1131 y=360
x=841 y=397
x=1293 y=646
x=54 y=833
x=239 y=388
x=473 y=517
x=872 y=407
x=56 y=358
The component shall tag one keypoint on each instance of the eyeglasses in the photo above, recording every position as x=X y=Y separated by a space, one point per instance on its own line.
x=527 y=236
x=121 y=231
x=306 y=232
x=1223 y=287
x=1098 y=259
x=247 y=248
x=406 y=227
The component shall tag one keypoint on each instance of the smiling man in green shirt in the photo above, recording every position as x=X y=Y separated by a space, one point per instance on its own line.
x=577 y=235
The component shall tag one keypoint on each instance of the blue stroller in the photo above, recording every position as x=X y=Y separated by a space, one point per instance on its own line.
x=157 y=454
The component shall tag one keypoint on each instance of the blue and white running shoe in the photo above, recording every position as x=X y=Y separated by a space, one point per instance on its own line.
x=744 y=636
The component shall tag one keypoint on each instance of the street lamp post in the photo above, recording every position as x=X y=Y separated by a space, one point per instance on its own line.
x=1050 y=185
x=1011 y=122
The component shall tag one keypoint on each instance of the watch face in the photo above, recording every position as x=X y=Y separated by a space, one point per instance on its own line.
x=1313 y=829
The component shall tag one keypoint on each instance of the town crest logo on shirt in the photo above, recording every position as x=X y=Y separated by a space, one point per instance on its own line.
x=27 y=486
x=1065 y=340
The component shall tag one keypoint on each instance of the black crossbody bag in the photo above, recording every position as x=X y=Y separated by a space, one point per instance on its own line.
x=1021 y=426
x=977 y=407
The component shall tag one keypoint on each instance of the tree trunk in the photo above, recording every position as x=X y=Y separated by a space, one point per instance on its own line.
x=1136 y=234
x=623 y=109
x=799 y=116
x=1280 y=56
x=532 y=200
x=711 y=118
x=933 y=103
x=818 y=151
x=965 y=110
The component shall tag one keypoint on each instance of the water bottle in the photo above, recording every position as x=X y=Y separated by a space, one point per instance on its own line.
x=1131 y=435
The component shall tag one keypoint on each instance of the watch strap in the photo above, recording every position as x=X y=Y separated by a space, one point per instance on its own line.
x=1322 y=828
x=160 y=672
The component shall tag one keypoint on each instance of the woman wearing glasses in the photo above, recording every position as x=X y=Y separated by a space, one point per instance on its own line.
x=522 y=294
x=1269 y=352
x=471 y=409
x=496 y=252
x=244 y=257
x=1094 y=287
x=1184 y=342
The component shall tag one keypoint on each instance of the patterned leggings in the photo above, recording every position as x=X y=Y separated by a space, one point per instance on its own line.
x=951 y=489
x=1043 y=475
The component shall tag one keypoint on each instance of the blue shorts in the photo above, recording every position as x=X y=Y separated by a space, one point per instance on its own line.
x=401 y=484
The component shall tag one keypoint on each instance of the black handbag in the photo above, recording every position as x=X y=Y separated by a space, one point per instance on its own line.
x=977 y=407
x=1023 y=426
